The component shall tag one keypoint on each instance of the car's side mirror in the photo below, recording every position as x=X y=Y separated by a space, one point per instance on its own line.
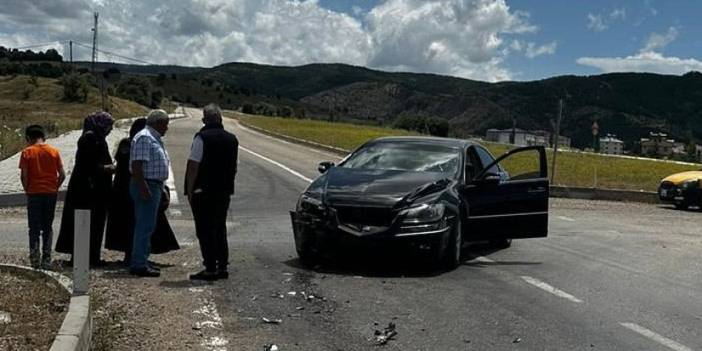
x=324 y=166
x=488 y=179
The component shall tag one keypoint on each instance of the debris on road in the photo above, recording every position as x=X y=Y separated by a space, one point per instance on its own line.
x=271 y=321
x=382 y=337
x=5 y=318
x=270 y=347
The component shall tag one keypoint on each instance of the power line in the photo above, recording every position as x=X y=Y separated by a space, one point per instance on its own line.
x=115 y=54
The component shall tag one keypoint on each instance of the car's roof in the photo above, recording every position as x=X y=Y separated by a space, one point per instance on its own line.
x=427 y=140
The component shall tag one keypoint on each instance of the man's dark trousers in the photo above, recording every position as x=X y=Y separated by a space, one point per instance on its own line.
x=210 y=214
x=40 y=216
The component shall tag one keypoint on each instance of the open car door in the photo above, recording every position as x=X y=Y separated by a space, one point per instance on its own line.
x=508 y=199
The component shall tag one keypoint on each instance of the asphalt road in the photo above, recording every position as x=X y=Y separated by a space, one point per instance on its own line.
x=610 y=276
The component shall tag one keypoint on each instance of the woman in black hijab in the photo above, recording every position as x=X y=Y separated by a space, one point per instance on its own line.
x=120 y=219
x=89 y=187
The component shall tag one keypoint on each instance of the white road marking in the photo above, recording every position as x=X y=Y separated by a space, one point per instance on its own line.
x=286 y=168
x=170 y=183
x=671 y=344
x=564 y=218
x=550 y=289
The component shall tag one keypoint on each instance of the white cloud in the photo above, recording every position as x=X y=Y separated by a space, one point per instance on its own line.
x=643 y=62
x=648 y=59
x=462 y=38
x=657 y=41
x=618 y=14
x=596 y=23
x=601 y=22
x=532 y=50
x=357 y=10
x=467 y=38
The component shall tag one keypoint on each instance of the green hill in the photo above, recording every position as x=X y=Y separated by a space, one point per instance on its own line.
x=627 y=104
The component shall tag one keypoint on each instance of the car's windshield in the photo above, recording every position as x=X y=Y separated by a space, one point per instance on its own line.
x=406 y=156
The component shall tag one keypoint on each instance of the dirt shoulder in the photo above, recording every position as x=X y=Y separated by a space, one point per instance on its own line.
x=32 y=308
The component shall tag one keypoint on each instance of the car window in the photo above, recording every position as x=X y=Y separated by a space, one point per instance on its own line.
x=474 y=165
x=486 y=159
x=406 y=156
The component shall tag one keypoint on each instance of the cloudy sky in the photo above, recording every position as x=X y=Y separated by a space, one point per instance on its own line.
x=490 y=40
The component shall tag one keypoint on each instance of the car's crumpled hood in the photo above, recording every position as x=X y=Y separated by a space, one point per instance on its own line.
x=679 y=178
x=378 y=187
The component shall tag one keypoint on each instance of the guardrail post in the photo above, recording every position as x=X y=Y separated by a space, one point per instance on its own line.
x=81 y=252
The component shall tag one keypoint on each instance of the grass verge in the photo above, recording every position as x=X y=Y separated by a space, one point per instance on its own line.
x=25 y=100
x=572 y=169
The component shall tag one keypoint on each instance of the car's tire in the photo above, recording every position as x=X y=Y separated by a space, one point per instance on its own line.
x=452 y=254
x=308 y=257
x=681 y=205
x=501 y=243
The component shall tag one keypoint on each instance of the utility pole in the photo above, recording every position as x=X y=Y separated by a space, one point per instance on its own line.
x=556 y=138
x=70 y=52
x=95 y=34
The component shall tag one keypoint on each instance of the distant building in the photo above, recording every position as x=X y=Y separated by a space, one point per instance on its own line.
x=524 y=137
x=611 y=145
x=657 y=144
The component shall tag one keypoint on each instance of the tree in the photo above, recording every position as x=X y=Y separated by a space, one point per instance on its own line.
x=75 y=87
x=137 y=89
x=247 y=108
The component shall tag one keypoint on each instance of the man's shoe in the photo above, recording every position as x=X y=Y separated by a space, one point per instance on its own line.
x=205 y=275
x=222 y=275
x=145 y=272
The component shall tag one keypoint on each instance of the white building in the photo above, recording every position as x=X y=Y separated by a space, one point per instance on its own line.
x=524 y=137
x=611 y=145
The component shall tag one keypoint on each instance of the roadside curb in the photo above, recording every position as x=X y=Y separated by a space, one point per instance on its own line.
x=604 y=194
x=556 y=191
x=328 y=148
x=77 y=327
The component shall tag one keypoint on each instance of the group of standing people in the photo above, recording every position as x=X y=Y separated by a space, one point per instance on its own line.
x=134 y=203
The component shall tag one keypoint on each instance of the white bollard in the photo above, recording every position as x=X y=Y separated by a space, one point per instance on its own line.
x=81 y=252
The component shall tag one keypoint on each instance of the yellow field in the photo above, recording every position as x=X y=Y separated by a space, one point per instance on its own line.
x=23 y=103
x=573 y=169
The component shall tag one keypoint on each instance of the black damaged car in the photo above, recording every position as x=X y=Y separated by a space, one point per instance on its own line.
x=427 y=194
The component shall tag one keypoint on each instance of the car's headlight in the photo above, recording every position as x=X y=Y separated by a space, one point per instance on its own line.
x=308 y=202
x=424 y=213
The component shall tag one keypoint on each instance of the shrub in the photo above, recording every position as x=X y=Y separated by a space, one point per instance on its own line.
x=75 y=87
x=247 y=108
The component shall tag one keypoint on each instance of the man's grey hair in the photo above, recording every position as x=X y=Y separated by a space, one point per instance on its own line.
x=212 y=113
x=156 y=117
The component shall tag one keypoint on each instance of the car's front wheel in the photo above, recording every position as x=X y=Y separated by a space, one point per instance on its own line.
x=308 y=257
x=501 y=243
x=682 y=205
x=452 y=254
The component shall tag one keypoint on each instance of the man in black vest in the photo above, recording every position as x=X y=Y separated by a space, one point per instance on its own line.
x=209 y=185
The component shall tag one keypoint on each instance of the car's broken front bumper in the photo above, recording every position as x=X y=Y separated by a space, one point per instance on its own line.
x=328 y=236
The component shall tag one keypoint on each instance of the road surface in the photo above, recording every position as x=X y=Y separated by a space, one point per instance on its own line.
x=610 y=276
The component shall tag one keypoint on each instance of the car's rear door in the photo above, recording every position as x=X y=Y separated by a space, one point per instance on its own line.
x=509 y=199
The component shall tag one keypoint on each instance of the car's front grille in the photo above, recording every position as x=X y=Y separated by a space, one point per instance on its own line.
x=372 y=216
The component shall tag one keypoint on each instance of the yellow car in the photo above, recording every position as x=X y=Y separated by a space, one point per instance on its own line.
x=682 y=189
